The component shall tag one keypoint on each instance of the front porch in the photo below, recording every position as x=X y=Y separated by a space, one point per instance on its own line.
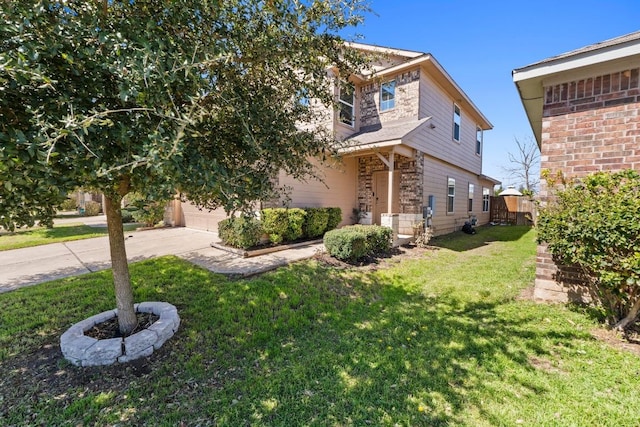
x=391 y=179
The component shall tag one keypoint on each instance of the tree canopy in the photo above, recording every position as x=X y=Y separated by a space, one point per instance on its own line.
x=161 y=96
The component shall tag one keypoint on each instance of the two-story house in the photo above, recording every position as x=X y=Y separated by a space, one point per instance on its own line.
x=412 y=144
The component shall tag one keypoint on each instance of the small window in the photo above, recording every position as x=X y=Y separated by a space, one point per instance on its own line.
x=388 y=95
x=485 y=199
x=471 y=191
x=456 y=123
x=451 y=195
x=478 y=141
x=347 y=102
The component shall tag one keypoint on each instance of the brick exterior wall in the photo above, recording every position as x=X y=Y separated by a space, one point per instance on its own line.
x=588 y=125
x=406 y=103
x=411 y=182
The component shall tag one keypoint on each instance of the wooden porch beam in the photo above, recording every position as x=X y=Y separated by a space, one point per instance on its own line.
x=390 y=192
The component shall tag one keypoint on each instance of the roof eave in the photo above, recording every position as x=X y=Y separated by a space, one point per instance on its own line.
x=530 y=80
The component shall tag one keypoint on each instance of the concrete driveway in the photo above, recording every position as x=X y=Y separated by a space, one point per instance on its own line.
x=30 y=266
x=38 y=264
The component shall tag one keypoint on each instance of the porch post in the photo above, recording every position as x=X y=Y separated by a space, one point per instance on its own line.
x=390 y=192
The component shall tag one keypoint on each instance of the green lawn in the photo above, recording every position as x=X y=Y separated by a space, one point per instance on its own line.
x=59 y=233
x=439 y=339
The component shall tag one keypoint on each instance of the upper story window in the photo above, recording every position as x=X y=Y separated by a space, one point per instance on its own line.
x=478 y=141
x=451 y=194
x=456 y=123
x=347 y=100
x=485 y=199
x=387 y=95
x=471 y=191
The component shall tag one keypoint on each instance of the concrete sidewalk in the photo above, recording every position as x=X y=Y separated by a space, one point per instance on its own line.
x=30 y=266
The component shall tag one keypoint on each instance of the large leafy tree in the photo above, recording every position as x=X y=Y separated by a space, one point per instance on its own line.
x=594 y=224
x=160 y=96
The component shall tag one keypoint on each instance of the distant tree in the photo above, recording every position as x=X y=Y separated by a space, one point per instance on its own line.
x=156 y=96
x=525 y=166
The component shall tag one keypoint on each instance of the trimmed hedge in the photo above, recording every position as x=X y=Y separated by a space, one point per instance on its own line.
x=241 y=232
x=275 y=223
x=282 y=225
x=316 y=222
x=357 y=241
x=346 y=244
x=296 y=218
x=335 y=218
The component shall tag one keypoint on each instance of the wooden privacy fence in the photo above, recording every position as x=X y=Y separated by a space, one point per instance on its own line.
x=515 y=210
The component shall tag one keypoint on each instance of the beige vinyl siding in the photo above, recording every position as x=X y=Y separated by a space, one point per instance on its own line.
x=438 y=142
x=340 y=189
x=436 y=174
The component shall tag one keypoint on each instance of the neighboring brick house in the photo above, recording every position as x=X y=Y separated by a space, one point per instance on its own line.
x=411 y=140
x=584 y=108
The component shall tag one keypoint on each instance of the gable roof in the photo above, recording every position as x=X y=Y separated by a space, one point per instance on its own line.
x=404 y=60
x=613 y=54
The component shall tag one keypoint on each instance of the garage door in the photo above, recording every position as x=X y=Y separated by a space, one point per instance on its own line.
x=202 y=219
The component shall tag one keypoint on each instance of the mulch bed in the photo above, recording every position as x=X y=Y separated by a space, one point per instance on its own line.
x=110 y=329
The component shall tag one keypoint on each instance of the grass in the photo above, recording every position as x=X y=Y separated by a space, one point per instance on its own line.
x=59 y=233
x=435 y=340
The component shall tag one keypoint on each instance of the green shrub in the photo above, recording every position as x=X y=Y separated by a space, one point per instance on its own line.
x=357 y=241
x=378 y=238
x=295 y=218
x=593 y=225
x=345 y=244
x=335 y=218
x=316 y=222
x=242 y=232
x=275 y=222
x=127 y=215
x=69 y=204
x=149 y=212
x=91 y=208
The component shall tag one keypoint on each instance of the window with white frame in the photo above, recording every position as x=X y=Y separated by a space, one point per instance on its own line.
x=471 y=191
x=387 y=95
x=451 y=194
x=478 y=141
x=347 y=103
x=485 y=199
x=456 y=123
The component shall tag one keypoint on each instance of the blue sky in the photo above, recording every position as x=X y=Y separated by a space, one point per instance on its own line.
x=480 y=42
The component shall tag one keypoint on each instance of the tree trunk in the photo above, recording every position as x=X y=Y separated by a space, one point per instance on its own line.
x=127 y=319
x=630 y=318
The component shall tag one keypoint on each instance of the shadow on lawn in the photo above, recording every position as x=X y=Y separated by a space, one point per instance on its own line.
x=302 y=345
x=484 y=235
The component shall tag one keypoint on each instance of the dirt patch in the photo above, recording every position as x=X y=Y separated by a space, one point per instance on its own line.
x=526 y=294
x=544 y=365
x=629 y=341
x=372 y=263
